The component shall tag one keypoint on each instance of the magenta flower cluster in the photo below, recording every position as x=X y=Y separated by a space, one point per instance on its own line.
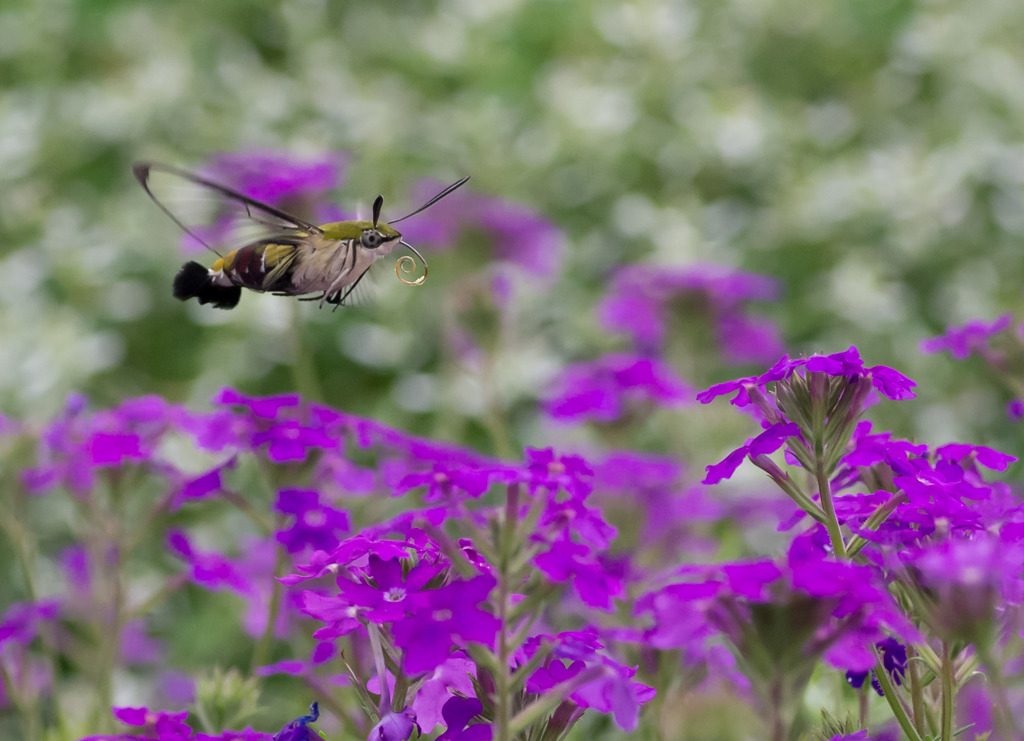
x=918 y=517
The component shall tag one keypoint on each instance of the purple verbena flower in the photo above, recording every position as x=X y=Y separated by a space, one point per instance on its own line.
x=521 y=237
x=76 y=444
x=210 y=570
x=445 y=618
x=603 y=390
x=278 y=177
x=568 y=472
x=317 y=525
x=458 y=714
x=642 y=298
x=444 y=480
x=453 y=676
x=894 y=660
x=960 y=342
x=846 y=364
x=155 y=724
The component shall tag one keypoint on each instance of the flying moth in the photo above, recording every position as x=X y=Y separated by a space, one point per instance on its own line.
x=283 y=254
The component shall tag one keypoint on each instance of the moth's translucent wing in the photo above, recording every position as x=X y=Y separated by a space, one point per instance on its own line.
x=213 y=215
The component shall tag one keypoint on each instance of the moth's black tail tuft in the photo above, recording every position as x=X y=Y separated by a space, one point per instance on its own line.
x=195 y=281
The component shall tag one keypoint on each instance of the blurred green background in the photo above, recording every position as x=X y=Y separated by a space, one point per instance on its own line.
x=867 y=153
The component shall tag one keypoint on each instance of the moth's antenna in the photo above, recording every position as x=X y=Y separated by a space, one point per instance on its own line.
x=432 y=201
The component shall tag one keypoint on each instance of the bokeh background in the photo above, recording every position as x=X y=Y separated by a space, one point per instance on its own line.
x=865 y=154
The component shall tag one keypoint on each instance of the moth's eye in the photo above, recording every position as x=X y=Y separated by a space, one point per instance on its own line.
x=370 y=239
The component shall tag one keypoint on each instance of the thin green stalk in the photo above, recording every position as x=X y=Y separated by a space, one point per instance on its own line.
x=875 y=519
x=898 y=710
x=916 y=691
x=801 y=500
x=502 y=678
x=382 y=675
x=262 y=648
x=551 y=699
x=1002 y=717
x=835 y=534
x=948 y=694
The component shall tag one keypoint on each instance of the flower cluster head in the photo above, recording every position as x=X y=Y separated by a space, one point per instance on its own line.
x=79 y=444
x=607 y=389
x=408 y=587
x=961 y=342
x=642 y=297
x=1002 y=350
x=779 y=615
x=282 y=180
x=799 y=400
x=278 y=178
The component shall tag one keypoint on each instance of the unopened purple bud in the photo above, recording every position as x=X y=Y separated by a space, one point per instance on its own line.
x=769 y=466
x=395 y=727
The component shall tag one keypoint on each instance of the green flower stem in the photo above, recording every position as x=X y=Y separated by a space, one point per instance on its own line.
x=895 y=704
x=359 y=684
x=916 y=691
x=784 y=482
x=265 y=525
x=25 y=546
x=835 y=534
x=875 y=519
x=502 y=678
x=261 y=650
x=104 y=543
x=551 y=699
x=1002 y=717
x=948 y=694
x=382 y=676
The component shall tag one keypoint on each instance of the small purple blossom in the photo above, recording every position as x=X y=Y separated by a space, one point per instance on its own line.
x=894 y=661
x=278 y=177
x=317 y=525
x=643 y=297
x=210 y=570
x=960 y=342
x=458 y=714
x=521 y=236
x=445 y=618
x=154 y=724
x=604 y=389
